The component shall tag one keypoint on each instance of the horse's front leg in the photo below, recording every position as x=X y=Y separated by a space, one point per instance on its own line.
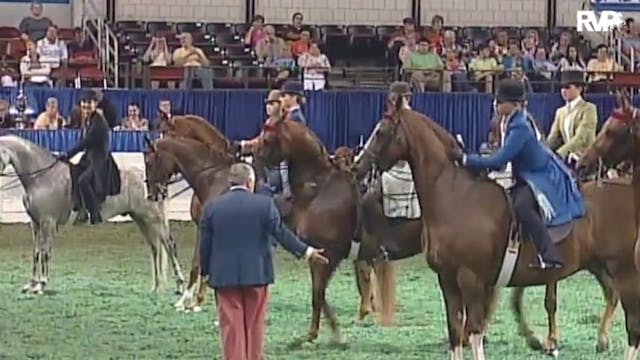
x=35 y=267
x=42 y=256
x=550 y=346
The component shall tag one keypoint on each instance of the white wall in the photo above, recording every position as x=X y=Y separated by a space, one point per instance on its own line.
x=12 y=210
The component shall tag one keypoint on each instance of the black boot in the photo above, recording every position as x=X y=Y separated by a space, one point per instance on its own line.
x=96 y=218
x=82 y=217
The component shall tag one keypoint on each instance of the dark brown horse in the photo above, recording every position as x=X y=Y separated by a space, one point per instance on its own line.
x=199 y=129
x=324 y=209
x=448 y=193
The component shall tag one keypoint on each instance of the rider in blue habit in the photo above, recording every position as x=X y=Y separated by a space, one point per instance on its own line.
x=544 y=194
x=292 y=98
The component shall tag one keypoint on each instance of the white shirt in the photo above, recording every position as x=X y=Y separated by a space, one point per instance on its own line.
x=571 y=107
x=52 y=53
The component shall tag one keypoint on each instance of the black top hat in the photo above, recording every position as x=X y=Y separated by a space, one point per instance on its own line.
x=572 y=77
x=511 y=90
x=293 y=88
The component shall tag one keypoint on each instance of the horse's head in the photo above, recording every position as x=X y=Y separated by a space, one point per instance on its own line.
x=160 y=166
x=615 y=142
x=167 y=125
x=387 y=145
x=343 y=158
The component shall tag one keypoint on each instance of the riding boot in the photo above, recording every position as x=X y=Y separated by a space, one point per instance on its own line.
x=548 y=257
x=92 y=206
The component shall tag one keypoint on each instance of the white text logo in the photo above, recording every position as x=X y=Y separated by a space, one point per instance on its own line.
x=587 y=20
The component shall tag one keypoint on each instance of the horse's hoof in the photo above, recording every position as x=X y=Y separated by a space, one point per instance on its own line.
x=26 y=288
x=196 y=309
x=339 y=341
x=534 y=343
x=553 y=353
x=602 y=346
x=297 y=343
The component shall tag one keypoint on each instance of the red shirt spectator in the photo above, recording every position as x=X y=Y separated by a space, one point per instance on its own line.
x=301 y=46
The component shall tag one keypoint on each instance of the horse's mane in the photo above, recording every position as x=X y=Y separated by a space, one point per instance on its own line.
x=30 y=146
x=445 y=137
x=209 y=126
x=194 y=146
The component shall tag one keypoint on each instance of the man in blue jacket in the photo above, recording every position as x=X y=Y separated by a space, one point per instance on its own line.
x=544 y=193
x=235 y=255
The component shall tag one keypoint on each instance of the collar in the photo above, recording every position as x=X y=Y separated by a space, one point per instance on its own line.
x=293 y=108
x=238 y=187
x=573 y=103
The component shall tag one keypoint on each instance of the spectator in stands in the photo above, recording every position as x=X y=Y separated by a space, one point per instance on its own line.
x=294 y=31
x=80 y=49
x=632 y=40
x=52 y=50
x=600 y=69
x=77 y=118
x=134 y=120
x=195 y=62
x=301 y=45
x=502 y=44
x=6 y=120
x=32 y=70
x=157 y=53
x=542 y=64
x=483 y=67
x=164 y=112
x=283 y=66
x=271 y=47
x=410 y=46
x=50 y=118
x=561 y=47
x=434 y=34
x=573 y=60
x=34 y=27
x=21 y=112
x=256 y=32
x=449 y=42
x=425 y=67
x=408 y=28
x=530 y=44
x=457 y=69
x=314 y=65
x=513 y=58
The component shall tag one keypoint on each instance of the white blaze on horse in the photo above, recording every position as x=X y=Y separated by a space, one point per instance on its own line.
x=48 y=201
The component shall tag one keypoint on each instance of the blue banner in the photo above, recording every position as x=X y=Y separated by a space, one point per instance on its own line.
x=616 y=5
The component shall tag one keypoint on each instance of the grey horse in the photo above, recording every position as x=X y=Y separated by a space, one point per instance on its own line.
x=48 y=202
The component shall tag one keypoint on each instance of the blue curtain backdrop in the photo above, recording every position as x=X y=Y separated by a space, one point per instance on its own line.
x=338 y=117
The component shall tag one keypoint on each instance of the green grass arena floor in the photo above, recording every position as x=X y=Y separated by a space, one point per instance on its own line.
x=102 y=308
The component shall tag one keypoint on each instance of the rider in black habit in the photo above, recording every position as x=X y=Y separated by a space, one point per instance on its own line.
x=96 y=176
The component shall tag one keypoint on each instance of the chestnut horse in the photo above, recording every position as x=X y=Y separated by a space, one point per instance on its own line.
x=199 y=129
x=448 y=193
x=324 y=208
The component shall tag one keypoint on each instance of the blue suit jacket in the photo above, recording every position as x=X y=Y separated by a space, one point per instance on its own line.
x=532 y=162
x=297 y=115
x=235 y=249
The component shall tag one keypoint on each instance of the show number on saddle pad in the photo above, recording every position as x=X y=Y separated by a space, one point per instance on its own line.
x=399 y=196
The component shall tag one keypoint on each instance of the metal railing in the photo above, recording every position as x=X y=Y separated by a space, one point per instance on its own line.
x=106 y=41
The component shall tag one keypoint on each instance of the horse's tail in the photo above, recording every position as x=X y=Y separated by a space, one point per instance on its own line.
x=386 y=288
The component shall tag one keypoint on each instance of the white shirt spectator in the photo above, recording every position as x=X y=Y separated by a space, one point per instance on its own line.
x=34 y=71
x=52 y=53
x=314 y=65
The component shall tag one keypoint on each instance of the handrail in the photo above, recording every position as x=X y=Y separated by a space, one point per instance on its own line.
x=106 y=41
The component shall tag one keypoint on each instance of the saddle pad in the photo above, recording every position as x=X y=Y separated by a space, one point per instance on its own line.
x=399 y=196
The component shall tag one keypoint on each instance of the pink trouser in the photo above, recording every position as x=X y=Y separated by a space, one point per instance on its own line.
x=241 y=312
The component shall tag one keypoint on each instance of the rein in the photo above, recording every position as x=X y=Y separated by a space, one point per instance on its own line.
x=31 y=173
